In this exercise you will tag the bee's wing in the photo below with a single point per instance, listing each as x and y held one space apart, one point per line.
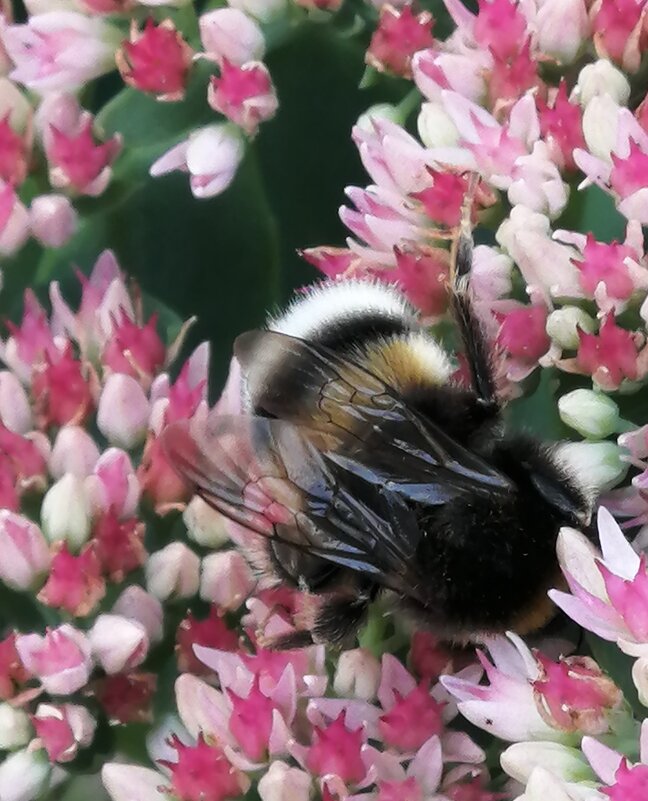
304 383
279 480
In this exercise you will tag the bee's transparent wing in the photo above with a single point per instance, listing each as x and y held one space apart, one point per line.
306 384
280 480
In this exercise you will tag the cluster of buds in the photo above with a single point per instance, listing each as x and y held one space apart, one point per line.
61 48
86 492
261 716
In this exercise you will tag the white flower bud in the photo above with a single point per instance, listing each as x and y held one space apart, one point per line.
118 643
15 729
592 414
640 678
520 759
283 783
226 579
600 125
598 465
262 10
205 525
65 513
435 126
600 78
357 674
380 111
563 325
24 775
173 572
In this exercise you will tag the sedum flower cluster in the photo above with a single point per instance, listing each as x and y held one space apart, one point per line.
134 658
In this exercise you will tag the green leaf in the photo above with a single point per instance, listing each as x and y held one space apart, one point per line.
306 154
593 210
144 121
212 258
537 412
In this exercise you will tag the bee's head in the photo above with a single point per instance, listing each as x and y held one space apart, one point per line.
552 477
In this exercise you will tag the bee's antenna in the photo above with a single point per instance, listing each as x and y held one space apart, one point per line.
462 245
476 347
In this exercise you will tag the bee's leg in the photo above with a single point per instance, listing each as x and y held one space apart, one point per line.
300 638
476 348
340 616
336 621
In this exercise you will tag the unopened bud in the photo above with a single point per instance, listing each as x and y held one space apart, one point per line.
601 78
435 126
563 325
598 465
592 414
15 729
65 514
173 572
357 674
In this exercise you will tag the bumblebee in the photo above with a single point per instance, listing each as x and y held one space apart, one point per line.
368 471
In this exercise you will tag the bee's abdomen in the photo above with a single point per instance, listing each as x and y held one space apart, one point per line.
368 322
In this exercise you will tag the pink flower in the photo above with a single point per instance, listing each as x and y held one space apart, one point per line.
336 749
30 341
119 544
156 60
203 773
500 26
14 221
608 591
62 388
59 50
464 71
79 164
429 657
443 200
400 34
60 659
63 729
618 31
523 337
575 694
24 553
14 152
412 719
210 155
244 94
609 357
75 583
53 220
12 671
228 33
623 779
212 632
561 127
506 707
422 274
133 349
127 697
